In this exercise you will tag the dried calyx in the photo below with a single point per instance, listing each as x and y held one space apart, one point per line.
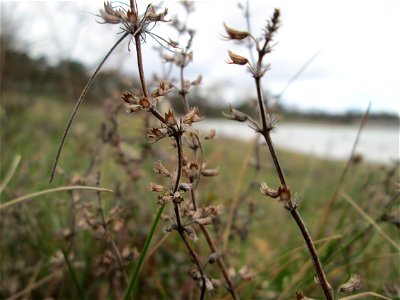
130 19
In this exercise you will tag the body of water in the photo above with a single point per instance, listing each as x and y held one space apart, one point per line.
378 144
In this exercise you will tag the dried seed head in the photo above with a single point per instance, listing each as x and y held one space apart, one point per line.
154 17
246 274
170 118
160 169
162 90
192 234
144 102
235 115
354 283
156 134
154 188
211 134
111 15
129 98
185 186
266 190
197 81
165 199
195 141
209 285
130 108
210 172
177 197
237 59
234 34
204 221
191 170
192 116
272 120
131 102
213 257
172 43
284 194
132 17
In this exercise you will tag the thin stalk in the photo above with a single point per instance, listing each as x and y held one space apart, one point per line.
214 249
328 208
73 276
220 263
265 131
314 255
138 265
183 92
109 236
178 139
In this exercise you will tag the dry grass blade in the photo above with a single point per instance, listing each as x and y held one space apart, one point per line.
328 208
364 295
45 280
11 172
369 220
79 102
50 191
236 196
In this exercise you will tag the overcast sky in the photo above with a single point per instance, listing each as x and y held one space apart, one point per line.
359 62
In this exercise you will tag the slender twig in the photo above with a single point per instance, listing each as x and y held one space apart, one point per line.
177 134
290 203
184 93
329 206
109 237
313 253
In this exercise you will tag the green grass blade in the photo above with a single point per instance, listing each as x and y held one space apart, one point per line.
73 275
55 190
370 220
138 265
11 172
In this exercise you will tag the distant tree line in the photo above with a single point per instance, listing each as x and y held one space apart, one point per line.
22 74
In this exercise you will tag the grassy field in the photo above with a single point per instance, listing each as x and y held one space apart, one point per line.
264 246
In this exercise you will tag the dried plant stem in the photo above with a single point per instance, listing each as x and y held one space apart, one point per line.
220 263
370 220
266 132
114 247
313 253
326 287
183 92
236 198
328 208
178 138
213 248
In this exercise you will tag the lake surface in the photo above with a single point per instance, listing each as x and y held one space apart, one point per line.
377 143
